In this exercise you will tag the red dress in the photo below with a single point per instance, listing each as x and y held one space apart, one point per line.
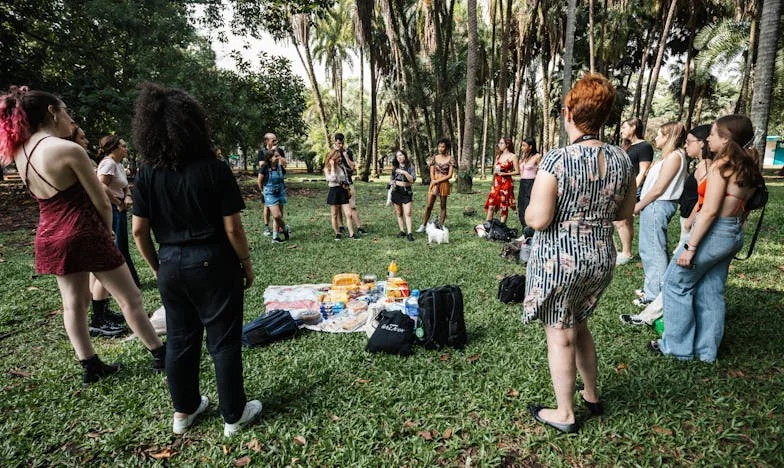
502 193
71 236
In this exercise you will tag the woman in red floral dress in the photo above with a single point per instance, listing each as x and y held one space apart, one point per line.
501 196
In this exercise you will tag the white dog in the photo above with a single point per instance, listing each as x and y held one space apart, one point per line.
437 234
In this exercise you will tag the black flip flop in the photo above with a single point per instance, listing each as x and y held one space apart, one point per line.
564 428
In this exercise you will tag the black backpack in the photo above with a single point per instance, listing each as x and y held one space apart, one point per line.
275 325
496 230
512 289
394 334
441 314
757 200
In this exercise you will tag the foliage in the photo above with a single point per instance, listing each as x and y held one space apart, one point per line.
435 408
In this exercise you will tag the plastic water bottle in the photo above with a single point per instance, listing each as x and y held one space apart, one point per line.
323 311
412 305
337 308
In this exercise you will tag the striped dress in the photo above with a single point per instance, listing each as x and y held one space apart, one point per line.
572 260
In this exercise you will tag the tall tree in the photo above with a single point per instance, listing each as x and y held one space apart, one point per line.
571 14
464 179
646 110
365 12
300 36
763 72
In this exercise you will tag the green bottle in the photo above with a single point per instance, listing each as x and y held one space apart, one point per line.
658 325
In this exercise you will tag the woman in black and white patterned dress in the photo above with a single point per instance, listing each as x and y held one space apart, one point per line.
578 192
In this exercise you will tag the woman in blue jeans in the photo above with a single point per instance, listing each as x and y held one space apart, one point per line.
660 192
192 203
695 280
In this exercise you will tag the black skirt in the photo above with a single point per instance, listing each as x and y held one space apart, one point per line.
402 195
337 196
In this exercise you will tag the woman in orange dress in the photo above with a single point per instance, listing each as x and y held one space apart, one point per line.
501 196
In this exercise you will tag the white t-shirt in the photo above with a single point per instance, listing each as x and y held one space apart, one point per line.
110 167
675 188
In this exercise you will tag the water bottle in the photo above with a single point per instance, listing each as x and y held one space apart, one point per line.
412 306
337 308
323 311
392 269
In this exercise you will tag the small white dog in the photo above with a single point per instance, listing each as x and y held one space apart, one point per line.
437 234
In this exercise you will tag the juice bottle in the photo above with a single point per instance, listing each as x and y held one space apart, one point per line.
392 269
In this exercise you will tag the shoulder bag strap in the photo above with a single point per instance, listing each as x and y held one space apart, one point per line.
754 236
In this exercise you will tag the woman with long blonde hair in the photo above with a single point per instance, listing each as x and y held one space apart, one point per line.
338 195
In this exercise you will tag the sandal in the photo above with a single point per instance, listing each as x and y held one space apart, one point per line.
561 427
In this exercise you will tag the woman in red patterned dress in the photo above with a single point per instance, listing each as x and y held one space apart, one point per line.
74 235
501 196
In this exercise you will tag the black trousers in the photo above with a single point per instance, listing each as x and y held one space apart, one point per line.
524 198
201 288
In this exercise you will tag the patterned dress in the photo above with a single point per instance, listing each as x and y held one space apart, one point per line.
572 260
502 192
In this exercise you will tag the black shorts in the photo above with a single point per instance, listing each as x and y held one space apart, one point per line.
337 196
402 195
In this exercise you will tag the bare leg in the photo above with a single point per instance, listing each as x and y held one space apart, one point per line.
503 219
266 216
625 229
399 213
98 292
443 210
277 217
407 214
347 213
120 284
561 357
431 200
334 211
586 361
489 213
75 291
352 202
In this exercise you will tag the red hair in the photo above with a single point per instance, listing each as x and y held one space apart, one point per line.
14 128
590 101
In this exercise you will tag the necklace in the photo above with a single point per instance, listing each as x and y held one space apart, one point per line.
585 138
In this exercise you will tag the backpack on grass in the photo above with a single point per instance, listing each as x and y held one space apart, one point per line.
275 325
511 289
496 230
441 313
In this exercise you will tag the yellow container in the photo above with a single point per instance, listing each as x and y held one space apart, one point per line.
345 282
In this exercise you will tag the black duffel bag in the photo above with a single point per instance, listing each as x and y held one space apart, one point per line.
275 325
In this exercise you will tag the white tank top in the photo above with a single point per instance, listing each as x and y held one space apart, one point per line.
674 190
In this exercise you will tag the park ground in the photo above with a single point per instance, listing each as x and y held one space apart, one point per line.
327 402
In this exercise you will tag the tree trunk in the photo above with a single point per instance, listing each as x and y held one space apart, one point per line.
545 102
361 99
764 73
638 89
485 119
657 65
371 137
464 170
591 50
742 105
687 63
571 12
503 69
302 23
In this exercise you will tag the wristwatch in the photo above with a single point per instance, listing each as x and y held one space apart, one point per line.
692 248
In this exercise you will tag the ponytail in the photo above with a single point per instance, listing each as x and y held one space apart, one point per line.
14 128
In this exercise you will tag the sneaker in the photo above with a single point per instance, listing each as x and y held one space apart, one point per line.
628 319
114 318
251 411
101 327
421 228
180 425
354 236
287 232
338 236
410 237
621 259
639 293
655 347
95 369
276 239
267 231
341 229
361 230
642 302
401 234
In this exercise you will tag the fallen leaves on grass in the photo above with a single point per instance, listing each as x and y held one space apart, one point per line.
163 454
447 434
444 357
335 418
425 435
620 367
409 423
242 461
290 247
513 393
19 373
299 440
737 373
32 288
226 449
473 358
362 381
662 430
254 445
54 312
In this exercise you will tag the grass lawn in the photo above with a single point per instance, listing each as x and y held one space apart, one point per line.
327 402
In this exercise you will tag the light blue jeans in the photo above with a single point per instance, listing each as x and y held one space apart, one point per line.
694 297
654 253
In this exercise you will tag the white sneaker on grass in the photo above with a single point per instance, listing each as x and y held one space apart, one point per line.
421 228
621 259
180 425
251 411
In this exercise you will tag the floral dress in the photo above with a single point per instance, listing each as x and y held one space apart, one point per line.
502 192
572 260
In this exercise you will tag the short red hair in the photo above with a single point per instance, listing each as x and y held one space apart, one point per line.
590 102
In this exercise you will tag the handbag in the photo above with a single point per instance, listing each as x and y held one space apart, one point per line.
393 335
511 289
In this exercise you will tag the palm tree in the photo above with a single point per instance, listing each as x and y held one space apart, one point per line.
571 13
464 181
300 36
646 110
332 44
763 72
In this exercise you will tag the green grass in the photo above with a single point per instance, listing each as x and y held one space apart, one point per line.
357 409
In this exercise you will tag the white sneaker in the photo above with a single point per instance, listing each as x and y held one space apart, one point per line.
421 228
180 425
251 411
621 259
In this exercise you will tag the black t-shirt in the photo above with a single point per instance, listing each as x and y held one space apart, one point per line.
262 155
347 155
188 206
641 152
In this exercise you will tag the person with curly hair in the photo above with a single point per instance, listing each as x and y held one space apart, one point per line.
74 235
191 201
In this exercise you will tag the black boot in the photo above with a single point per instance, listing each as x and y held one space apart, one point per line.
159 358
94 369
100 324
